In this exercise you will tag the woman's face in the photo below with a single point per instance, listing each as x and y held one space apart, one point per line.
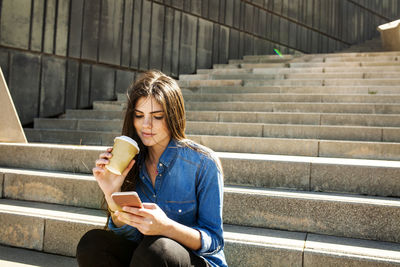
150 124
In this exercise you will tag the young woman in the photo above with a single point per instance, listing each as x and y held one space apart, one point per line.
179 181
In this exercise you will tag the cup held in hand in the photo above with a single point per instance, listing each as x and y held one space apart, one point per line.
124 150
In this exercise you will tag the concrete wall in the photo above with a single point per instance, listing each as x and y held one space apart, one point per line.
61 54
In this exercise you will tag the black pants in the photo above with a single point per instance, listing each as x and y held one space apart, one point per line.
104 248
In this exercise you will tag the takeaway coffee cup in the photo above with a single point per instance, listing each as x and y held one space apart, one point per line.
124 150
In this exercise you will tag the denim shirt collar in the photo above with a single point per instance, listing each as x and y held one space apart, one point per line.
169 153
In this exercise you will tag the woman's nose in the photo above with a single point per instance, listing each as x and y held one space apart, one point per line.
147 122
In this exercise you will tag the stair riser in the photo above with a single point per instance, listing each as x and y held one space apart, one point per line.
293 98
302 147
308 119
43 234
295 107
321 82
293 70
315 216
367 90
288 75
252 255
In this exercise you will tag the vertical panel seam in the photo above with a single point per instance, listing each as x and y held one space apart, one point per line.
30 23
69 27
55 28
122 28
83 25
99 31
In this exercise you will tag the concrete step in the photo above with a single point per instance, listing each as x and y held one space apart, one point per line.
368 90
323 98
277 146
290 107
19 257
93 114
377 120
293 70
308 65
281 76
358 133
301 147
343 58
318 82
45 169
312 212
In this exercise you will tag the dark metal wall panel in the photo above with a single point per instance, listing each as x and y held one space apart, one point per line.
145 33
110 36
213 10
168 41
72 86
25 91
223 45
127 33
49 26
84 86
90 31
75 28
204 46
176 43
137 17
157 40
123 80
4 60
187 57
62 27
15 23
102 83
37 25
52 89
233 44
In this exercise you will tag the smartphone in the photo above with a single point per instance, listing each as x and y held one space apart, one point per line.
128 198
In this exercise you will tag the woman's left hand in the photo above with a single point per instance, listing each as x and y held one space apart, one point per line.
149 220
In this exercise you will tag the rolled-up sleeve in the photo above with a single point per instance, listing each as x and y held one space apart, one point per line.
127 231
210 204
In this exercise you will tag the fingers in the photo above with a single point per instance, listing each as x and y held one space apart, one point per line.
130 218
152 206
137 211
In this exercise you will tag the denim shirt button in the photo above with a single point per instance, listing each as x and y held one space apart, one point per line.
160 164
179 211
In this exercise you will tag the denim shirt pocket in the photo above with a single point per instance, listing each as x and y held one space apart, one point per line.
181 211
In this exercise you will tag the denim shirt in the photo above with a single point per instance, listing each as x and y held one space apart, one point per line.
189 189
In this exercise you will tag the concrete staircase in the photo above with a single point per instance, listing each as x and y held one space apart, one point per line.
310 147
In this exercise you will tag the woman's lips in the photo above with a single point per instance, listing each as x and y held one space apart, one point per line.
148 134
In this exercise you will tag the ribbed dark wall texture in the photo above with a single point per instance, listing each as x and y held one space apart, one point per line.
63 54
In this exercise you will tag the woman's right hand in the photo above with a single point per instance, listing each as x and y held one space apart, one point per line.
108 181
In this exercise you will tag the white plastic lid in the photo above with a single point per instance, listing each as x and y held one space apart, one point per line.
389 25
129 140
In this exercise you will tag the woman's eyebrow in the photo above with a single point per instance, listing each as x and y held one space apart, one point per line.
157 111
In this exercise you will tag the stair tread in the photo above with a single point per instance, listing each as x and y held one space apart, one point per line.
19 257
